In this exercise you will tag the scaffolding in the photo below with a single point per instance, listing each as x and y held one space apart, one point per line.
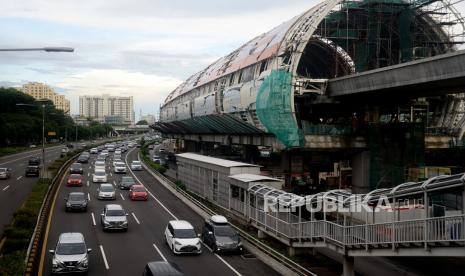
378 33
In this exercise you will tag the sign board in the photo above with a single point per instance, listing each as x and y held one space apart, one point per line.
52 133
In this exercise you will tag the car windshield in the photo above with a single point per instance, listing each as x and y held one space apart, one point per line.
76 166
184 233
118 164
106 189
74 176
100 173
135 162
2 170
115 213
224 231
138 189
76 197
99 163
127 180
70 248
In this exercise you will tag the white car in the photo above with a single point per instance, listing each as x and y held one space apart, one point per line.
117 160
93 150
181 237
104 153
99 176
99 165
70 254
136 166
106 191
120 167
64 150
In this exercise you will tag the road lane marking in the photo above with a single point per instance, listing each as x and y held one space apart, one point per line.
122 197
228 265
88 174
19 178
150 193
93 219
88 197
114 183
104 258
166 209
159 252
87 183
6 188
111 174
138 222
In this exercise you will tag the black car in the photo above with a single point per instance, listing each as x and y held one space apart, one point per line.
220 236
76 168
32 171
162 268
83 159
76 201
70 146
34 161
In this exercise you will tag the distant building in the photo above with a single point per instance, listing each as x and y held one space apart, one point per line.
149 118
99 107
41 91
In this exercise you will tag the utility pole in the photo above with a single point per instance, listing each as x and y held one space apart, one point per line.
43 140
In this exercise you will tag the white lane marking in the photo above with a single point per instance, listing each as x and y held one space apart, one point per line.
228 265
104 258
88 183
122 197
204 244
88 174
19 178
111 174
159 252
150 193
138 222
166 209
6 187
93 219
88 197
114 183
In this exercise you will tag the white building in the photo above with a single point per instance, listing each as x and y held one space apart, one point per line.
98 107
149 118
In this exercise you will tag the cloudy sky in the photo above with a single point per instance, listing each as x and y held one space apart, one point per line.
143 48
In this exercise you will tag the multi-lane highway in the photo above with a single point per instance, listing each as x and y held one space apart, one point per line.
126 253
13 191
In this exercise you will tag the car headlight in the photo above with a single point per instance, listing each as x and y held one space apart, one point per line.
68 204
84 262
106 222
56 263
125 222
177 243
219 243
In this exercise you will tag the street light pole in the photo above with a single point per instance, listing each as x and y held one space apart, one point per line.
43 140
46 49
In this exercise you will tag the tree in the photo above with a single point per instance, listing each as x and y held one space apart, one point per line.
142 122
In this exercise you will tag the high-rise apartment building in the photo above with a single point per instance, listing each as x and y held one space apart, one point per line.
99 107
42 91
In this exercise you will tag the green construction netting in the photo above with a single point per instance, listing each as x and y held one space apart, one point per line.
274 109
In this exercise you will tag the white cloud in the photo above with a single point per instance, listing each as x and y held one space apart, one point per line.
148 90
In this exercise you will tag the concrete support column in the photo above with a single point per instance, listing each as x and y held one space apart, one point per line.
361 172
348 266
291 251
261 234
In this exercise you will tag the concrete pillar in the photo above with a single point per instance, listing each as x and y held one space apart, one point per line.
261 234
348 266
291 251
361 172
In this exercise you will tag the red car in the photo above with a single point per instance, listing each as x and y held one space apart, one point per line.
75 180
138 192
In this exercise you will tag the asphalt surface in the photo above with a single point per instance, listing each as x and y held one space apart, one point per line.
126 253
13 191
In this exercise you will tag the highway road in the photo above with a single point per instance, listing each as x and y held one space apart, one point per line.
13 191
126 253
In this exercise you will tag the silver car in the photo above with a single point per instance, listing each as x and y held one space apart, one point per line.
106 191
5 173
114 217
70 254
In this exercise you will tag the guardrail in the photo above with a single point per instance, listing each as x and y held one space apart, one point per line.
290 264
35 245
